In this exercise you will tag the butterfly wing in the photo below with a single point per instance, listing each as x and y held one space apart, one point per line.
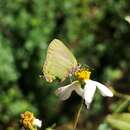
59 61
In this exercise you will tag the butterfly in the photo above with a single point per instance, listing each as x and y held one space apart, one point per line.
59 62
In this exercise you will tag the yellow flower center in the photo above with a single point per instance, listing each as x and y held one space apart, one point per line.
26 120
83 74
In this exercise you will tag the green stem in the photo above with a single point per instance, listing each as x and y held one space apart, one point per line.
121 107
78 115
125 97
120 95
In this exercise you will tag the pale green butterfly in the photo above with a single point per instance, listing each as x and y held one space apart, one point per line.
59 62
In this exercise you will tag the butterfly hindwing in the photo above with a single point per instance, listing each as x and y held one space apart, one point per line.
59 61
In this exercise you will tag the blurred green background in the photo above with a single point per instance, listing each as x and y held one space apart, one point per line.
96 33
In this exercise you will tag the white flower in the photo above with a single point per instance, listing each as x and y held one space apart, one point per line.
37 122
87 93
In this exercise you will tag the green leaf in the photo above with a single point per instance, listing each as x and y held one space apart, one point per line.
119 121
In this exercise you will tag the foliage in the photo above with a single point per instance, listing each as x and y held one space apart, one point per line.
96 32
119 121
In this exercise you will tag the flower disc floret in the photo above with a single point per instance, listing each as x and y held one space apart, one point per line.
83 74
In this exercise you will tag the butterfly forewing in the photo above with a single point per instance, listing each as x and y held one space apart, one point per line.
59 61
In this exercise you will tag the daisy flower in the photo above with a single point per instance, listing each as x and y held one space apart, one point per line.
87 93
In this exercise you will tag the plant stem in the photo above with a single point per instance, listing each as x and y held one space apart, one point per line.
121 107
120 95
78 115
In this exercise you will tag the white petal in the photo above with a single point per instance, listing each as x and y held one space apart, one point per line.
89 91
103 89
127 18
79 90
37 122
65 92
